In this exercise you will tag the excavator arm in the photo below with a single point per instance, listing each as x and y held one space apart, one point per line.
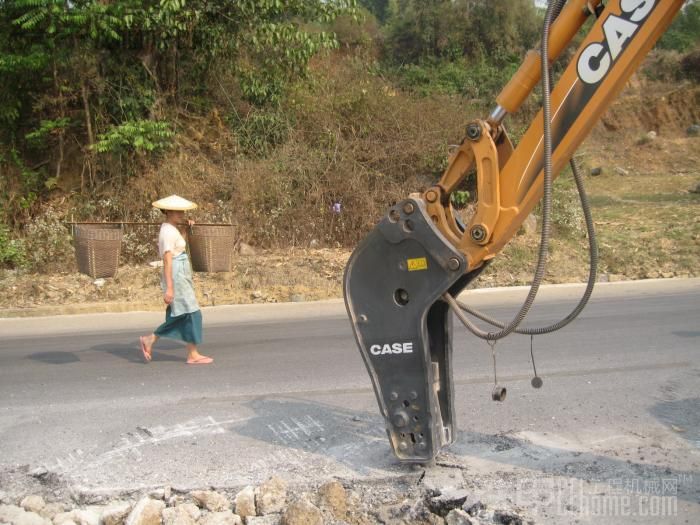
398 276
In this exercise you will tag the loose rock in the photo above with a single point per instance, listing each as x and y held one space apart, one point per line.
302 512
270 519
447 500
80 517
622 171
221 518
245 502
507 518
192 510
51 509
473 506
146 512
596 171
693 130
33 504
333 497
157 494
271 496
420 512
31 518
211 500
39 473
457 517
116 513
10 513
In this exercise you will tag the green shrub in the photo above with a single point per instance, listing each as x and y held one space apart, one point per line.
12 253
140 136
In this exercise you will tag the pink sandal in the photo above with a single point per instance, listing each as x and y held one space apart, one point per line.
202 360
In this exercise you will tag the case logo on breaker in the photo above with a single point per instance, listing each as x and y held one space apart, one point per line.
415 265
393 348
597 59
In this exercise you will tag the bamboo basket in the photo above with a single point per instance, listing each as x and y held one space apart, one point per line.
97 248
211 248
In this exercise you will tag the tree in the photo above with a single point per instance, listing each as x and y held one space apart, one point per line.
100 81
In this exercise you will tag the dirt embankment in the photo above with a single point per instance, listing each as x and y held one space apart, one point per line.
644 196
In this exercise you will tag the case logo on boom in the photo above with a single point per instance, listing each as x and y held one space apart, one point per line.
394 348
597 58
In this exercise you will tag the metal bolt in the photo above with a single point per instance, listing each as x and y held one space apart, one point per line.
431 196
453 264
409 208
400 419
473 131
393 396
362 318
413 395
403 446
478 233
421 445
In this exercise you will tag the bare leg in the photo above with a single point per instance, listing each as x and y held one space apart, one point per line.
149 341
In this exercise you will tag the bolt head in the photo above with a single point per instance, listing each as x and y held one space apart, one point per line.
473 131
478 233
409 208
431 196
400 420
453 264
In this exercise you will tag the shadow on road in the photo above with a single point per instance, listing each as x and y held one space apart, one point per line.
54 358
687 333
132 352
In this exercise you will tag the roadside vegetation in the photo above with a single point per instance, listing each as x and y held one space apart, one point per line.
269 112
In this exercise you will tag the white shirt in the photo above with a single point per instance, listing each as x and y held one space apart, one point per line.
170 240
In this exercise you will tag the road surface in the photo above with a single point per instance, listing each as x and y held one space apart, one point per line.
619 413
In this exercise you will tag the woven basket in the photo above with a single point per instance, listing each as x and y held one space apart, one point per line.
211 248
97 248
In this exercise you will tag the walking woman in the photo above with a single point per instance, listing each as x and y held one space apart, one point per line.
183 318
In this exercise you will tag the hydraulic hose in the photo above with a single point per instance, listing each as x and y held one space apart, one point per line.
554 8
585 206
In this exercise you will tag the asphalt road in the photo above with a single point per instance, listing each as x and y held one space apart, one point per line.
619 413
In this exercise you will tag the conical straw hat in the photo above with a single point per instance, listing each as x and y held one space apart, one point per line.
174 203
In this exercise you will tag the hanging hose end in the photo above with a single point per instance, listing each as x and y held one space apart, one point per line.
498 393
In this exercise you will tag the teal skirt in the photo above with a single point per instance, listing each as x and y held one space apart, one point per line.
185 327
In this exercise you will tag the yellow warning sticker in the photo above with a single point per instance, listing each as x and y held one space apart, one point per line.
415 265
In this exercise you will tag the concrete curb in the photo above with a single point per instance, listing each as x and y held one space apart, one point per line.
328 309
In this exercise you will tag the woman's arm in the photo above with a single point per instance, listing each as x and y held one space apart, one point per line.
168 273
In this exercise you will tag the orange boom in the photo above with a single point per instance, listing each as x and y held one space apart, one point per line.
401 281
